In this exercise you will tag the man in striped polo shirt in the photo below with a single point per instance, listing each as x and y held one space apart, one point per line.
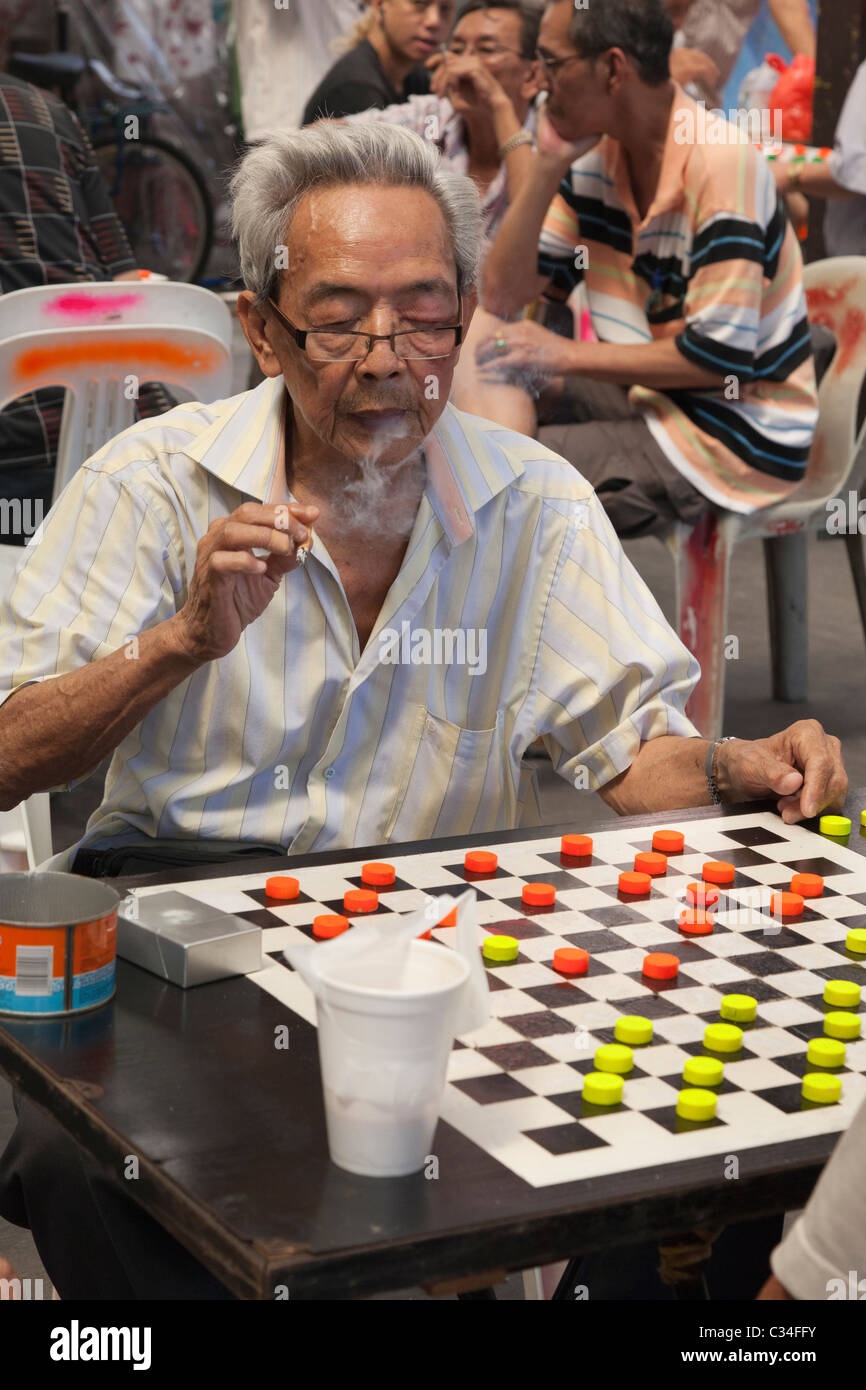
702 387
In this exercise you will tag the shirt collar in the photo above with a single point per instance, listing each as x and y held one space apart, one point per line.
468 462
669 191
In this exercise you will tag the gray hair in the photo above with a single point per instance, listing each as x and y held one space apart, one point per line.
280 170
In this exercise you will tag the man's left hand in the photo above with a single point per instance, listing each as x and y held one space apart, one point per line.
529 350
801 766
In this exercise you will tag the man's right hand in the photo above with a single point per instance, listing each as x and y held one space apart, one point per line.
230 586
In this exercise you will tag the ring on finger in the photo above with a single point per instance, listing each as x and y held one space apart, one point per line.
500 344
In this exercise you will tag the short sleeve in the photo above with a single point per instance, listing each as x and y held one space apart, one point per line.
103 571
612 673
560 235
826 1243
848 160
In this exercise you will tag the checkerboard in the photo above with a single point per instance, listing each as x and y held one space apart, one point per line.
514 1086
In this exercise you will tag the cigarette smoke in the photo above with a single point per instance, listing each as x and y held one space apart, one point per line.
382 501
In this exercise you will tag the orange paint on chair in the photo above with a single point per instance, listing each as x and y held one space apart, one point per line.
111 352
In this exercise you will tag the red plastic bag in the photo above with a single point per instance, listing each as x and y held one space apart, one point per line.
792 95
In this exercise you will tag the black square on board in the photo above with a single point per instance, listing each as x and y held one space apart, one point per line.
395 887
518 905
789 1099
785 937
565 1139
542 1024
647 1006
265 919
561 996
513 1056
742 858
519 927
668 1118
818 865
260 896
489 1090
761 964
615 916
597 941
753 835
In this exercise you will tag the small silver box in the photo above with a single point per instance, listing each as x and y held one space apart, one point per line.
185 941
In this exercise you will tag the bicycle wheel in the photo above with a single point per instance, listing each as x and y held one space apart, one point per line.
163 203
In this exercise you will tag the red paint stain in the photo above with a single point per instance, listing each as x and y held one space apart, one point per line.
84 305
785 528
147 353
847 324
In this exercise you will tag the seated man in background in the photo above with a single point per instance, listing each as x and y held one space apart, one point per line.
57 225
266 701
693 275
481 115
383 63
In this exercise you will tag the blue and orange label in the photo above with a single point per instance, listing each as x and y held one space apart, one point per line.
57 970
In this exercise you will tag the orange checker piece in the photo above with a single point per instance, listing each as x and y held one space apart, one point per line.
449 920
571 960
786 904
718 871
480 861
378 874
538 894
807 885
282 887
329 924
695 921
360 900
576 846
669 841
658 965
648 862
634 883
701 895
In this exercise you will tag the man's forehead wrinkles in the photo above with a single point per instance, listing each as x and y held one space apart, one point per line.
327 289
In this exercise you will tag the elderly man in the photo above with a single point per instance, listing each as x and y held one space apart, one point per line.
217 594
702 389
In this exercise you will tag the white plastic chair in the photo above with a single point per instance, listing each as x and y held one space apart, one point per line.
836 295
98 339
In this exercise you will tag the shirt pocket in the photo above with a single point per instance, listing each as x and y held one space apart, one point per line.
454 782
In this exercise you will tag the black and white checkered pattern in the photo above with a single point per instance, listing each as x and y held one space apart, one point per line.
514 1086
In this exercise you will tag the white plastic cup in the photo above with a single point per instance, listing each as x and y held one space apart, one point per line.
383 1049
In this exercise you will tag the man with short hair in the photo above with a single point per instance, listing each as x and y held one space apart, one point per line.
385 66
702 389
481 113
264 550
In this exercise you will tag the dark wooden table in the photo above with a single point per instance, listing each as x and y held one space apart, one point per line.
230 1134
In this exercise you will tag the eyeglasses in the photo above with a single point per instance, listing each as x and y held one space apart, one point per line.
486 50
552 65
411 344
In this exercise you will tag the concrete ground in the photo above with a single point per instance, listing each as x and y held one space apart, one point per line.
837 676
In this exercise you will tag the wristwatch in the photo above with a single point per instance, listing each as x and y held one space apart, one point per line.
712 785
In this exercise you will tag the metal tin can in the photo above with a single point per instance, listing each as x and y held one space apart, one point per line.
58 944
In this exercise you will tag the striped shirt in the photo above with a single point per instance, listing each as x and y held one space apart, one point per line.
298 738
715 249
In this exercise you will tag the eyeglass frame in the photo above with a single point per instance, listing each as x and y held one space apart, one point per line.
552 65
493 53
300 336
